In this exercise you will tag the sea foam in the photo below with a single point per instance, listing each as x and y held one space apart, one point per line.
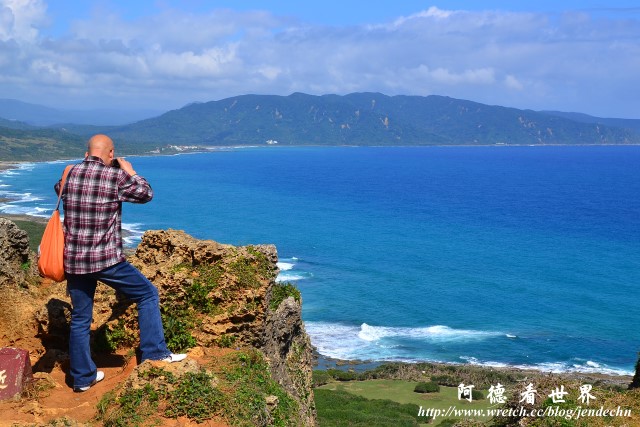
437 333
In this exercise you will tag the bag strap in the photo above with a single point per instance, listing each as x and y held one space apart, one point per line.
63 181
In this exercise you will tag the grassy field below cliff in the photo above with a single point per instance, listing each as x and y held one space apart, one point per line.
386 396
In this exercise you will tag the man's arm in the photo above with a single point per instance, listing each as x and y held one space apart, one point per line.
131 186
126 166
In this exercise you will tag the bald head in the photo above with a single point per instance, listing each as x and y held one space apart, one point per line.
101 146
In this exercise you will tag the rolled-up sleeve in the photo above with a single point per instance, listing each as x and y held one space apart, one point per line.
134 189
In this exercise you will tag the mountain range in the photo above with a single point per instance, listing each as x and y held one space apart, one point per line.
301 119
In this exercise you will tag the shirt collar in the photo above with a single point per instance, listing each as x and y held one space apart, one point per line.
94 159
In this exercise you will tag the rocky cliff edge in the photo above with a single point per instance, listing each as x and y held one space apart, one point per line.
215 299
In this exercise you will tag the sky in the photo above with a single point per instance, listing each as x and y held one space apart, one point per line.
570 55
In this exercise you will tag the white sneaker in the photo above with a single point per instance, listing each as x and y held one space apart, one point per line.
99 377
174 358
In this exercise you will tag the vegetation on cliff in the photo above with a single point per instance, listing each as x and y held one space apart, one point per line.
237 387
250 358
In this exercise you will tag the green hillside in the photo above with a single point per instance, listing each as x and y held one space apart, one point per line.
39 144
298 119
363 119
22 142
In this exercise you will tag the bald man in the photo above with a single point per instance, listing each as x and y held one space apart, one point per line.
92 199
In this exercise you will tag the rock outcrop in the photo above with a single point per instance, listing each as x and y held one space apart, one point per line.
287 347
212 296
230 288
17 264
18 271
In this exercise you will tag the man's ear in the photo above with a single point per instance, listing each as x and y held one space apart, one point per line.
86 154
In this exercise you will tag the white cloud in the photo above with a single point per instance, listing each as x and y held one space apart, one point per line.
527 60
19 19
477 76
513 83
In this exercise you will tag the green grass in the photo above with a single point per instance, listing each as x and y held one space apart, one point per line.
249 382
282 291
401 391
193 395
109 338
131 408
339 408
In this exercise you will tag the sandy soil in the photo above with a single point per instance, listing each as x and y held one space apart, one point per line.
58 400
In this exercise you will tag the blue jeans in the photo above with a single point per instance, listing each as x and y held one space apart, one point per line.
124 278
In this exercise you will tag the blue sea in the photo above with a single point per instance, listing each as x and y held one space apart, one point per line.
498 256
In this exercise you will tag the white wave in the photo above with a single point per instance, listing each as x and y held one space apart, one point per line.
376 342
511 336
13 209
28 197
552 367
364 343
587 368
290 276
26 166
474 361
41 212
19 197
133 234
339 341
284 266
437 333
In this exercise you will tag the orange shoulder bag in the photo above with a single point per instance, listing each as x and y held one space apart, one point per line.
51 251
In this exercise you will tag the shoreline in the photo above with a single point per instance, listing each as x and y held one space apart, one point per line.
25 217
323 363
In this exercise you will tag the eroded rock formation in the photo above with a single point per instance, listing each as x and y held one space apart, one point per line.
212 295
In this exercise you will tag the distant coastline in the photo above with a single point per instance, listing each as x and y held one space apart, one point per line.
175 150
323 363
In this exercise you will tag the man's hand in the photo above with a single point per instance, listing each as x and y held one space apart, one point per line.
126 166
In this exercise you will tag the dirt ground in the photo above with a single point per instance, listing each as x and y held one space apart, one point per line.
52 397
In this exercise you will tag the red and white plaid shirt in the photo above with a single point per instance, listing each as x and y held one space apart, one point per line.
93 197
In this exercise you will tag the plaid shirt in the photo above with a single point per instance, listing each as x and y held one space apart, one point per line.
93 197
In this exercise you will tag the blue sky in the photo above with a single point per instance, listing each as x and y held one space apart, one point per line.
567 55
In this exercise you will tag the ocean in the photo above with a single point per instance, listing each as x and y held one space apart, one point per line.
497 256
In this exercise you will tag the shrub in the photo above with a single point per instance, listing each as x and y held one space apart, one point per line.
226 341
282 291
192 395
477 395
177 332
445 380
340 375
195 397
131 408
427 387
340 408
320 378
109 338
249 379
